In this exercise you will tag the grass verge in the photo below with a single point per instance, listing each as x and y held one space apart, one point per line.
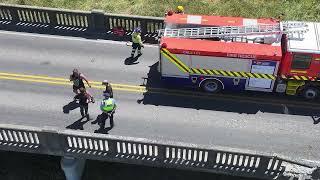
293 9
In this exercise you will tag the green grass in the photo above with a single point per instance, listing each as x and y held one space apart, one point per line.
293 9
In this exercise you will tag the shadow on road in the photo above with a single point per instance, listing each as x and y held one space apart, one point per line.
101 121
316 173
316 119
131 61
69 107
78 125
246 102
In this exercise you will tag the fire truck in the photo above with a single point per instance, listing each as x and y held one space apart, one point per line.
216 53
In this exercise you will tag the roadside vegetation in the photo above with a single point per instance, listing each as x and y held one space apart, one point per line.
293 9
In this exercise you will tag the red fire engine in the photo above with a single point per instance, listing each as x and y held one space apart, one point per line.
217 53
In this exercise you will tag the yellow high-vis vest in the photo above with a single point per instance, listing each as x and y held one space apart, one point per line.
136 38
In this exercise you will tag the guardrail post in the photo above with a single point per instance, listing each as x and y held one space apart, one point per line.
161 153
53 19
107 22
52 142
98 23
112 147
144 28
263 165
212 155
14 15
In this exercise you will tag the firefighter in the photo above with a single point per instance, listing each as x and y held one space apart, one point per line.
84 100
108 88
136 42
179 10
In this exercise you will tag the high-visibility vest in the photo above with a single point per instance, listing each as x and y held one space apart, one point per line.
136 38
108 105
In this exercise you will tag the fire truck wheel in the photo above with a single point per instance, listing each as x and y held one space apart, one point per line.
211 86
311 93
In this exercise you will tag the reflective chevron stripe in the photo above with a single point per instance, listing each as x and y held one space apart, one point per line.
184 68
300 78
175 60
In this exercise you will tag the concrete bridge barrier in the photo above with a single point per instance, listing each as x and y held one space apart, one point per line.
94 24
140 151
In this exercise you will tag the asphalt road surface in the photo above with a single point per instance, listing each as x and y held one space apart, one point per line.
250 121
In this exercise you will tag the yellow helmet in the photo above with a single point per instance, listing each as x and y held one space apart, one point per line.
180 8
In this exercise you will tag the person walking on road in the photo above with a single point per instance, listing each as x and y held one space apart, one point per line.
84 100
77 78
108 88
108 107
136 42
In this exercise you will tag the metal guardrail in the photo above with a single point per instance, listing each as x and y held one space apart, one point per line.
137 151
96 23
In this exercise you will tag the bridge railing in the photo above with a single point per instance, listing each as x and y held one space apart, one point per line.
95 24
137 151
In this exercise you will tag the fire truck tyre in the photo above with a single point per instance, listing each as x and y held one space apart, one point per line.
311 93
211 86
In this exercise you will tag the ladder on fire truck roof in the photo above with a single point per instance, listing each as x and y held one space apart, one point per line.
292 29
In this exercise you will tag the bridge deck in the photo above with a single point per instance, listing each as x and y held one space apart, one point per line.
244 121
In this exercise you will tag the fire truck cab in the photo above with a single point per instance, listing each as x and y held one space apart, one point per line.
302 57
301 63
215 53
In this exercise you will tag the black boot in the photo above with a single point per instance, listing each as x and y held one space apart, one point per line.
88 117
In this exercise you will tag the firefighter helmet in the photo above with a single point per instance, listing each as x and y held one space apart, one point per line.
137 30
104 82
180 9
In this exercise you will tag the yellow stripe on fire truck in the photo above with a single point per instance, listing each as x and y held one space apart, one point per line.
300 78
175 60
184 68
